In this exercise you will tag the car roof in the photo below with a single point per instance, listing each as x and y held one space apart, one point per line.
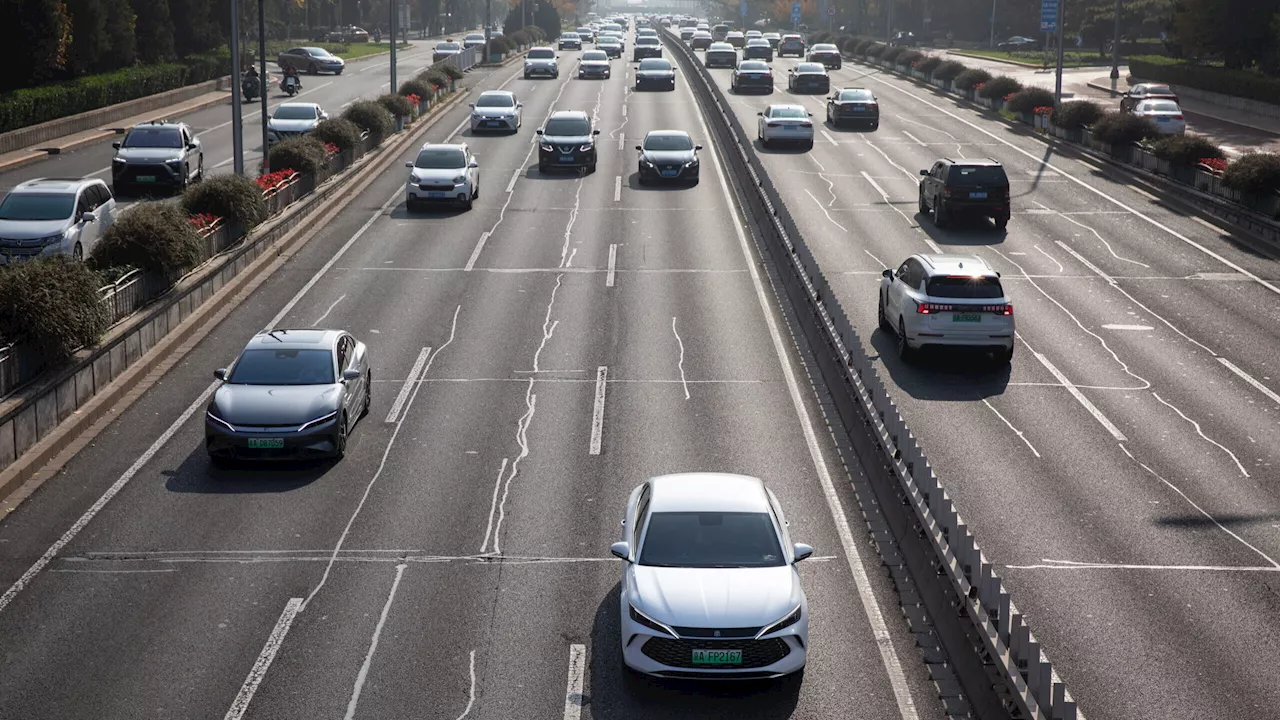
501 93
666 133
716 492
720 46
290 339
570 114
298 104
443 146
973 162
956 264
811 67
824 46
161 124
757 42
56 185
786 106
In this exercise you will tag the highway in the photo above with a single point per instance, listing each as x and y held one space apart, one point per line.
534 359
1122 471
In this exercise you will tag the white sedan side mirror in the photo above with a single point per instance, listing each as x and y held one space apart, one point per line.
801 551
621 550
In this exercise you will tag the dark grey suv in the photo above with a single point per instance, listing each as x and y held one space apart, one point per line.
568 140
157 154
977 187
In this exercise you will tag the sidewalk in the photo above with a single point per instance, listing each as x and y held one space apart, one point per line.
1254 121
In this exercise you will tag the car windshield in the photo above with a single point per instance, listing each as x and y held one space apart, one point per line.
542 54
811 68
296 112
857 95
1160 106
570 36
567 127
711 540
455 46
474 36
668 142
283 367
973 288
654 64
608 41
788 112
441 159
37 206
750 66
977 175
153 138
495 100
594 55
317 52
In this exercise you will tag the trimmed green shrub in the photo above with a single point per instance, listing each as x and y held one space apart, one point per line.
155 237
1185 149
1076 114
498 45
537 33
891 53
396 104
339 131
30 106
949 70
863 46
453 72
53 304
234 198
1241 83
520 37
909 56
371 117
1000 86
971 77
848 44
1254 172
875 49
1028 99
304 154
417 87
1123 128
435 77
929 64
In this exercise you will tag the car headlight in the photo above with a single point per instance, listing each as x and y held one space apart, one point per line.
546 147
646 161
587 148
460 179
649 622
322 419
53 239
792 618
217 420
691 163
118 161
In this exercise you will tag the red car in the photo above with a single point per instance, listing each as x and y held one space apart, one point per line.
1145 91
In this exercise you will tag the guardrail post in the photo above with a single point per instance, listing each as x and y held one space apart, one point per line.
1044 688
1063 709
1002 622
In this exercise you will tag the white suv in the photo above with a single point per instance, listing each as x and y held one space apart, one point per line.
54 217
442 174
954 300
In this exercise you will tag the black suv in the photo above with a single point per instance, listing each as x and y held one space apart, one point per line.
965 187
157 154
567 141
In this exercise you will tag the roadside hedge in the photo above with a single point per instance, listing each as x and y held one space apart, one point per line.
929 64
234 198
1028 99
304 154
999 87
1255 172
1241 83
414 86
875 50
908 56
339 131
1123 128
434 77
971 77
396 104
371 117
1076 115
154 237
453 72
52 304
890 54
948 70
1185 149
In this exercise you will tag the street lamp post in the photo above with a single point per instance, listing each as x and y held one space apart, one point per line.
1115 52
237 122
993 24
1057 84
264 84
395 10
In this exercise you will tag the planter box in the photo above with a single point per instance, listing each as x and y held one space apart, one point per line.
497 57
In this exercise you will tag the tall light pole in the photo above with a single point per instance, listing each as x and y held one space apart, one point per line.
395 11
1057 83
1115 52
488 22
264 82
237 122
993 24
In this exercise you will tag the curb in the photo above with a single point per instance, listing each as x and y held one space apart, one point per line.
44 459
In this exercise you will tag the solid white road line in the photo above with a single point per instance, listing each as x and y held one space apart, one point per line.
597 411
1015 430
1250 379
1050 564
363 675
928 240
613 265
475 254
471 699
680 363
331 307
1085 402
414 374
1201 433
522 439
915 139
493 505
824 209
830 139
511 186
265 658
870 606
617 188
573 700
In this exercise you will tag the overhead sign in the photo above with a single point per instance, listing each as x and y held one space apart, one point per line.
795 12
1048 15
742 8
404 18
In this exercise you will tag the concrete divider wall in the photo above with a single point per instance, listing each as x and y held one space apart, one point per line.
1004 640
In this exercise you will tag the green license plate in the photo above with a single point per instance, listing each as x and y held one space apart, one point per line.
266 443
146 178
966 317
717 657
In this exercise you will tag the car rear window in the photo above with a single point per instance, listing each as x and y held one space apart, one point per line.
1160 106
985 288
856 95
711 540
977 175
752 66
811 68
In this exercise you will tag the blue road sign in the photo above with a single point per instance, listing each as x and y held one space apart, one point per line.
1048 15
795 12
742 8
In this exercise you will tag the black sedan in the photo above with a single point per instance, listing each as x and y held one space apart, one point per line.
646 47
827 54
655 73
752 75
853 105
668 155
808 77
292 394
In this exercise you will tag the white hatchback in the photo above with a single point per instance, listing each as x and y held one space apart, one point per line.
785 123
709 581
442 174
945 299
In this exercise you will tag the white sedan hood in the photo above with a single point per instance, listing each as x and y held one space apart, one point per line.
715 597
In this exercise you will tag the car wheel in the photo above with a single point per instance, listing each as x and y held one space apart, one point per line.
312 69
923 207
466 204
939 214
340 439
1002 222
338 71
884 321
1003 356
875 125
78 252
809 146
368 393
591 168
640 177
905 352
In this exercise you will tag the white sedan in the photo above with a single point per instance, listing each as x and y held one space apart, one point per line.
497 110
785 123
442 174
1165 114
709 581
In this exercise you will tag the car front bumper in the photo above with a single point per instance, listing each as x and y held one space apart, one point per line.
420 193
576 158
537 70
140 175
603 74
481 122
650 653
670 171
316 441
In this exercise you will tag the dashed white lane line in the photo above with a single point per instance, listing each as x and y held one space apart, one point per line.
363 675
475 254
597 410
1250 379
1016 431
617 188
914 139
829 138
824 210
927 240
265 658
573 699
1085 402
471 699
613 265
1136 328
414 375
511 186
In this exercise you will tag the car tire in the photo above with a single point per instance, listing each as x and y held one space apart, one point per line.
884 321
1003 356
640 177
77 252
1002 222
924 207
809 146
312 69
905 352
337 72
340 440
368 393
939 214
875 126
591 169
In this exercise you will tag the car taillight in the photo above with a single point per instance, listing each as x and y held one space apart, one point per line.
1006 192
998 309
806 124
774 125
933 308
946 190
1177 117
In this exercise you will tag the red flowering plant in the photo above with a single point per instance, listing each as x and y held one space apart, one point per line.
331 149
1009 97
979 87
1044 110
271 181
413 99
1216 165
204 221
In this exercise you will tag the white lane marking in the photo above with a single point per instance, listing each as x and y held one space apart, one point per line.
548 327
831 187
112 572
21 583
1051 564
917 140
414 374
1015 430
878 260
96 173
522 439
265 658
597 410
1096 234
621 141
331 307
1199 509
475 253
1128 327
363 675
222 164
471 698
1100 193
1250 379
959 144
565 258
913 175
346 104
493 504
511 186
382 464
824 210
624 111
870 606
573 699
1200 432
927 240
830 139
1085 402
613 265
1055 260
680 363
617 188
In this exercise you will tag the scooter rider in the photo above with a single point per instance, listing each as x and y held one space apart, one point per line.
291 72
250 84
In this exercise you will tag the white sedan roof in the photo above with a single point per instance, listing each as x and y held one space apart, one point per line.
707 492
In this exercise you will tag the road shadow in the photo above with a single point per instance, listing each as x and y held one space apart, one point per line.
619 695
554 174
633 182
197 474
427 212
962 230
791 148
945 374
1198 521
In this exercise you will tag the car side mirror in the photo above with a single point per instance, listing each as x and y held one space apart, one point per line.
621 550
221 374
887 273
408 164
639 147
595 132
324 116
539 132
472 104
519 105
88 216
801 551
192 146
116 144
350 374
697 147
924 172
473 164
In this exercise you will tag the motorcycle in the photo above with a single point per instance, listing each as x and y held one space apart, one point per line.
249 86
290 85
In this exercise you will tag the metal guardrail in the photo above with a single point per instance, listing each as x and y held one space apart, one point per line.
1004 640
465 60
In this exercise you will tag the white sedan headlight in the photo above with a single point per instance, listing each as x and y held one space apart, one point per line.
460 180
792 618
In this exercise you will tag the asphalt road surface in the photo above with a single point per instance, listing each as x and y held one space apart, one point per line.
456 563
1122 472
